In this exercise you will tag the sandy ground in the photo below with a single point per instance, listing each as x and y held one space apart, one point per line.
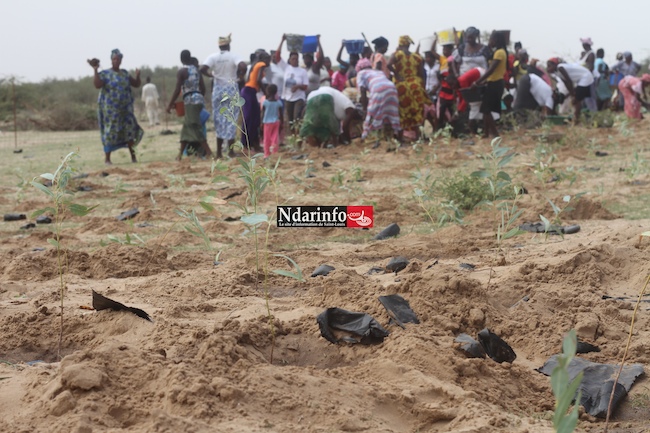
208 363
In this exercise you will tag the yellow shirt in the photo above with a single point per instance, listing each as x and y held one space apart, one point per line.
500 71
443 64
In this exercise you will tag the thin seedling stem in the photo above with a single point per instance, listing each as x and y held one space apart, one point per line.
627 347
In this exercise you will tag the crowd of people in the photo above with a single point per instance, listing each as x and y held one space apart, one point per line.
469 84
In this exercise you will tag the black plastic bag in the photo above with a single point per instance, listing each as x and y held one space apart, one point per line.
597 382
399 309
357 327
103 303
495 347
471 347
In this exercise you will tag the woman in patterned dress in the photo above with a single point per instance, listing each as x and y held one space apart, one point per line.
382 104
190 82
409 79
117 123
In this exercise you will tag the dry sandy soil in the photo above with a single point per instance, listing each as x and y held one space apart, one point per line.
207 362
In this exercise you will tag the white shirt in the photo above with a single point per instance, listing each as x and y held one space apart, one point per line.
274 74
432 75
541 91
149 93
223 66
341 102
294 76
580 76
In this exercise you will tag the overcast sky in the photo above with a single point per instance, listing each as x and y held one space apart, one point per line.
53 38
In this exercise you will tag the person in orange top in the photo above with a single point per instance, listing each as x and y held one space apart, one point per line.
251 108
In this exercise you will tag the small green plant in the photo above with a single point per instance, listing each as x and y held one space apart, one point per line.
176 181
498 180
129 239
553 226
120 187
637 167
338 179
509 215
563 390
357 173
61 204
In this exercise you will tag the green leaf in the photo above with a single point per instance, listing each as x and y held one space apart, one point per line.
42 187
54 242
570 343
513 232
566 198
547 223
254 219
42 211
207 206
80 210
48 176
287 274
296 275
505 160
503 175
419 192
480 173
556 210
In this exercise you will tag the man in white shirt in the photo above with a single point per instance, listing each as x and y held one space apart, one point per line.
576 78
150 98
226 70
532 93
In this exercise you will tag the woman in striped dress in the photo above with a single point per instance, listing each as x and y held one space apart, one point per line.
382 106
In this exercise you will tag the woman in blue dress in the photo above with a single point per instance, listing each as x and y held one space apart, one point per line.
117 123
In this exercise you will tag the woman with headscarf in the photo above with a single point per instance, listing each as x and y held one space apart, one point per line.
117 123
189 83
409 80
469 55
633 89
382 105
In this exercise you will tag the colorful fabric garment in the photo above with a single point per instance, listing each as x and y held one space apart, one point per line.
377 59
225 124
117 123
603 90
383 102
192 131
252 113
629 87
410 89
338 80
319 120
190 88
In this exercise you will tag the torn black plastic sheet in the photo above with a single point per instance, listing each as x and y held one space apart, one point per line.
597 382
353 327
101 302
399 309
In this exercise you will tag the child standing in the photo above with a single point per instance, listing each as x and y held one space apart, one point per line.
272 120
